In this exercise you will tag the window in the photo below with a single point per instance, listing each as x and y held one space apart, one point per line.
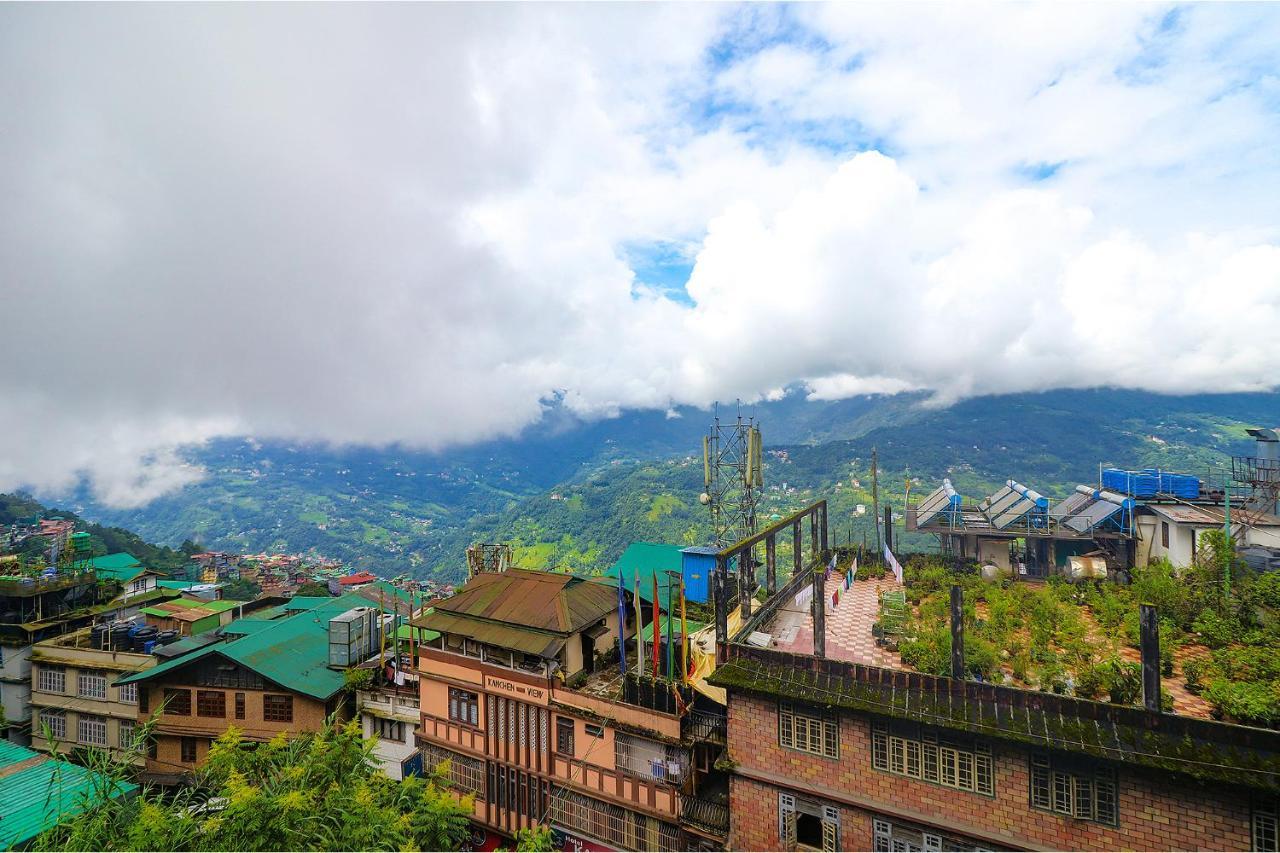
1164 534
177 702
144 701
239 706
211 703
807 730
389 729
51 679
464 707
564 735
1266 828
613 825
891 836
805 823
125 734
128 693
1073 789
189 750
592 730
465 773
920 753
650 759
277 708
56 721
93 730
91 685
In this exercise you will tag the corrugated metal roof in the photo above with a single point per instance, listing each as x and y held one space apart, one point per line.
505 636
37 792
543 601
292 651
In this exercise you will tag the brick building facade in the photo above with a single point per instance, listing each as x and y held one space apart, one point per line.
846 796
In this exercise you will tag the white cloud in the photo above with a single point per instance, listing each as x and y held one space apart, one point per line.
412 223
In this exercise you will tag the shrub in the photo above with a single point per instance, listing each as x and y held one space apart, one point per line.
1122 680
1193 671
1089 683
980 657
1217 630
1248 702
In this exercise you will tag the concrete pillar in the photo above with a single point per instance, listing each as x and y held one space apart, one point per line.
771 564
1149 644
819 612
957 632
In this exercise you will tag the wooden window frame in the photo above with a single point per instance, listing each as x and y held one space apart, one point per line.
211 704
805 730
240 706
464 706
566 730
1070 789
182 706
189 750
921 754
277 707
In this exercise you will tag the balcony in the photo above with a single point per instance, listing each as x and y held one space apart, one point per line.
390 704
710 816
705 727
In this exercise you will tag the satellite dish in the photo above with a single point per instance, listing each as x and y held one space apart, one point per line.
704 498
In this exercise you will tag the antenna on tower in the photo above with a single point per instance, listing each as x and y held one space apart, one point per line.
732 475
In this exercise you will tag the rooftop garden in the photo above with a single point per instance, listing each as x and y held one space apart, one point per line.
1219 641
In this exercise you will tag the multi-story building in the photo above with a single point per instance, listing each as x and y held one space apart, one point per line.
836 745
71 694
522 693
281 670
388 716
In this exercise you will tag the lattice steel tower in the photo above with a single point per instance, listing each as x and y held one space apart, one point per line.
732 475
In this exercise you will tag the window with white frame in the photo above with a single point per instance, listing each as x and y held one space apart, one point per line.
808 730
128 693
91 685
1265 826
389 729
921 753
126 733
892 836
1073 788
808 824
92 730
55 721
51 679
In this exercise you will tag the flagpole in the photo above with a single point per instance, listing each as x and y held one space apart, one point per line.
622 621
671 635
684 635
657 628
639 624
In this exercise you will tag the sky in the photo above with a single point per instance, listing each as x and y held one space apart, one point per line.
424 224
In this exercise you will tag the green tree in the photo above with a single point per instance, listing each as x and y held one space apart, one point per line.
313 588
316 791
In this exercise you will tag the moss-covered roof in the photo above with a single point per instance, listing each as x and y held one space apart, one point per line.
1200 748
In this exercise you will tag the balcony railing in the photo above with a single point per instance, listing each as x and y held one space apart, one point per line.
709 816
702 726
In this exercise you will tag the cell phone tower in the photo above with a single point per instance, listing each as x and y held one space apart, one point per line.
732 476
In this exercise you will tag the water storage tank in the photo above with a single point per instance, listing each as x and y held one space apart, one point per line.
352 636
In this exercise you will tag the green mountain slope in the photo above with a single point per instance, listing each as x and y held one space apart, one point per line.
575 495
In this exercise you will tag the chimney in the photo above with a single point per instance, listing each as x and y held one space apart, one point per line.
957 632
1149 643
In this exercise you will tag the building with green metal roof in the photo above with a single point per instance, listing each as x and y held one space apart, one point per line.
38 792
650 560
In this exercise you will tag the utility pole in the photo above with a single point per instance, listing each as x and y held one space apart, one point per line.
875 500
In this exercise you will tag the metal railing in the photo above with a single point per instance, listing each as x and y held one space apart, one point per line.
707 815
703 726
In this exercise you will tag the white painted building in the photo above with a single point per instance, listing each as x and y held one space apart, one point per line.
1173 531
388 716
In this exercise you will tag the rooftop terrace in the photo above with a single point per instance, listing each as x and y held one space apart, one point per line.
1025 634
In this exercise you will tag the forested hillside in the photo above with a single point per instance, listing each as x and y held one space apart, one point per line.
575 495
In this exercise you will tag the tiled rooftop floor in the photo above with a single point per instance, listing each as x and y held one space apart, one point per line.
849 637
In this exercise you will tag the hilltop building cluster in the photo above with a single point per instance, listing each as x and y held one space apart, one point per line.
744 697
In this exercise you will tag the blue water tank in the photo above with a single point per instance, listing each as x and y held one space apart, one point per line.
697 565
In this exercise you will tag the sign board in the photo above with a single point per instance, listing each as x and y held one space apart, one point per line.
518 689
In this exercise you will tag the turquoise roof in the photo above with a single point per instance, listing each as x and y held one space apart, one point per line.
40 795
292 651
177 584
649 559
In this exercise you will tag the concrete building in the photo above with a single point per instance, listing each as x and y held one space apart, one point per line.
389 714
523 695
71 693
1172 531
